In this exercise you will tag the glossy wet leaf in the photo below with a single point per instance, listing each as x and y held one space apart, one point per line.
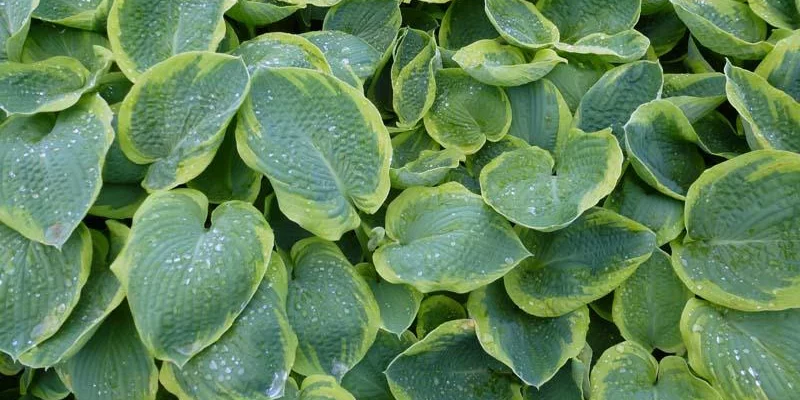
628 370
375 21
662 147
577 264
465 22
398 304
100 295
647 306
428 170
450 363
174 117
141 38
261 12
541 116
351 59
51 169
520 23
612 99
366 380
436 310
574 78
333 132
14 28
416 59
252 360
744 355
218 268
40 286
445 238
113 364
569 383
85 14
779 13
466 113
501 65
527 187
696 94
740 249
278 49
621 47
533 347
323 387
728 27
635 199
577 19
779 66
330 308
46 40
771 114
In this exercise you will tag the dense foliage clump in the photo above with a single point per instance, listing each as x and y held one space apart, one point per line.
416 200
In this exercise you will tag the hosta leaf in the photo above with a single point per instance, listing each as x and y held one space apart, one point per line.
413 84
541 115
47 40
118 168
228 177
331 309
772 115
118 200
500 65
662 147
515 337
526 187
696 94
39 286
100 295
398 304
8 366
449 363
466 113
407 146
51 169
695 60
576 19
114 364
636 200
446 238
174 117
436 310
569 383
627 370
323 387
230 41
578 264
574 78
521 24
278 49
252 359
375 21
718 137
210 274
84 14
465 22
647 307
492 150
142 38
113 87
621 47
428 170
53 84
14 27
261 12
727 27
322 145
779 67
744 355
47 385
612 100
366 380
663 28
741 247
779 13
351 58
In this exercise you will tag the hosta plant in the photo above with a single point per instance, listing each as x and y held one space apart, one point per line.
400 199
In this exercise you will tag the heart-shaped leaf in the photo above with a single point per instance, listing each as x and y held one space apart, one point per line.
515 337
51 169
252 360
501 65
446 238
278 49
520 23
647 307
218 268
39 286
142 38
522 186
578 264
466 113
336 325
741 248
628 369
449 363
744 355
297 121
174 117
